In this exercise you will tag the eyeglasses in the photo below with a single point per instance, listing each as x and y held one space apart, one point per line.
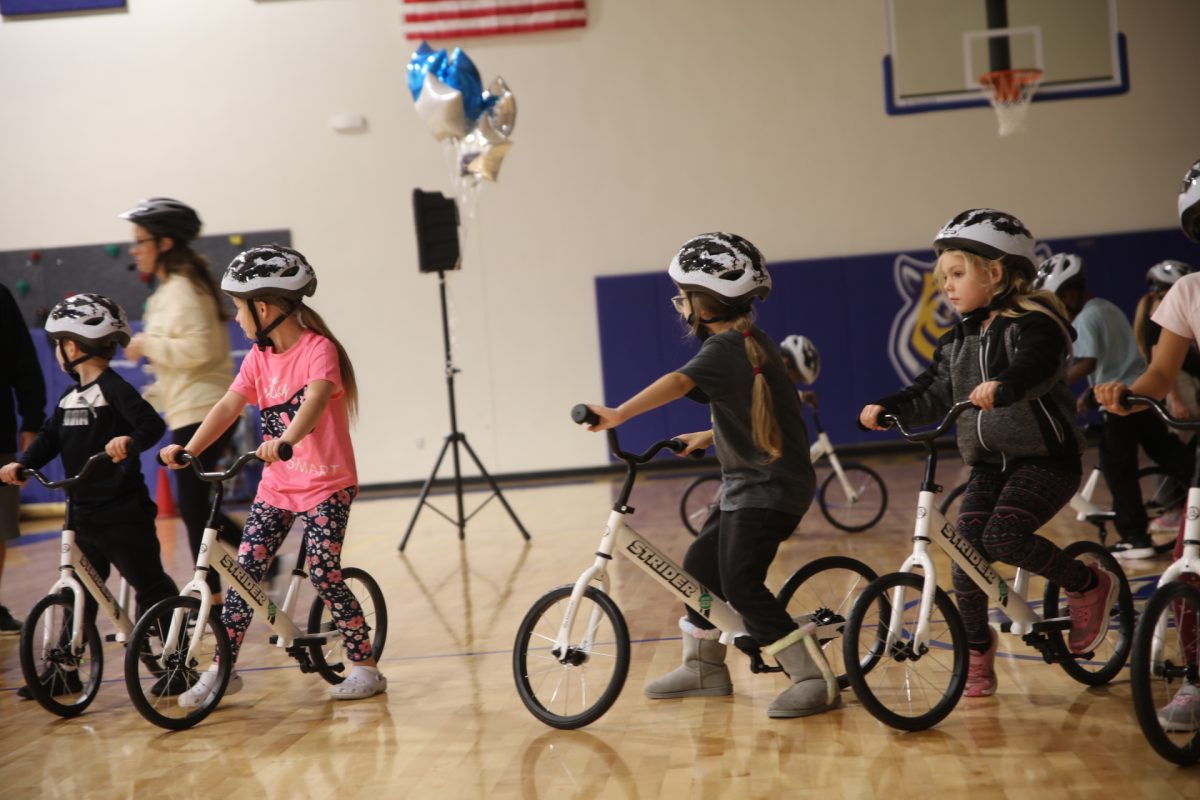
136 243
678 301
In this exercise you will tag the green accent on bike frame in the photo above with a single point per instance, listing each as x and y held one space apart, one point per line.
271 609
705 600
1002 588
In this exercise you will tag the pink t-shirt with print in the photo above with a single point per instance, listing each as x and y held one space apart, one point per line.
323 461
1179 311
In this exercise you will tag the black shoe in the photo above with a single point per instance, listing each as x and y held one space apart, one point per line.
69 685
1134 548
9 626
173 683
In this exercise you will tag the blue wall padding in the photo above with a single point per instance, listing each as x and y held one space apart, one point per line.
845 305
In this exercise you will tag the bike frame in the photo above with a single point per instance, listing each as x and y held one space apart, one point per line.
1189 562
824 447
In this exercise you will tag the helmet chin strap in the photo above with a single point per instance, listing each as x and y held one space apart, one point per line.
261 335
70 365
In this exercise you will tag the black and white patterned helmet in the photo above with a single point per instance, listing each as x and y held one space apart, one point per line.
91 319
804 355
270 270
1058 270
1189 203
164 216
721 264
1162 276
992 234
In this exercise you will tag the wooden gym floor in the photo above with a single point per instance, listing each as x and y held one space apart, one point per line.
452 726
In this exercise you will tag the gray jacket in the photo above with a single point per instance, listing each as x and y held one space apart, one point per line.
1035 413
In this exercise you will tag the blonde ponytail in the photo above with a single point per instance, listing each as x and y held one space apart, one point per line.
312 320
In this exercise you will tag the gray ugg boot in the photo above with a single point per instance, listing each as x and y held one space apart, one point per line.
814 686
703 672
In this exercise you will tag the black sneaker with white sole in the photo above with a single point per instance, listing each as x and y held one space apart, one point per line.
64 682
9 625
1134 548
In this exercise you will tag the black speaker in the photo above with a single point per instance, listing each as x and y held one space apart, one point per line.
436 218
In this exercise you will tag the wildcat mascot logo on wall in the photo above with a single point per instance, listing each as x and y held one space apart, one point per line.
925 315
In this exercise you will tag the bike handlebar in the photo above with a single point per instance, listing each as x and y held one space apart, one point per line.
1129 400
582 415
891 421
26 473
184 457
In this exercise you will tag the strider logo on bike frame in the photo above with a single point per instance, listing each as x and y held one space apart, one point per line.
246 582
976 560
640 550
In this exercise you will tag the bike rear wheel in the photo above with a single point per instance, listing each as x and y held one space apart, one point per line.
908 688
698 501
860 510
63 677
1111 654
330 660
1172 613
823 591
575 687
156 676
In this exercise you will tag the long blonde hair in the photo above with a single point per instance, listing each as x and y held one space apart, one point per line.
1020 298
765 430
1141 315
312 320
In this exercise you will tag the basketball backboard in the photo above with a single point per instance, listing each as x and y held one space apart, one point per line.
940 48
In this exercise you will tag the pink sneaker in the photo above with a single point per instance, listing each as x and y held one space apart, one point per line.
1089 611
981 671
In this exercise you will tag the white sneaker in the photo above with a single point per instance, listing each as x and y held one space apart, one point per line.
1168 522
1182 714
361 682
205 684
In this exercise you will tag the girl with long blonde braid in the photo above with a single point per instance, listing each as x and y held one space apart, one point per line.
767 477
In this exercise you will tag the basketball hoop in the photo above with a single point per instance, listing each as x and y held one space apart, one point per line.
1010 91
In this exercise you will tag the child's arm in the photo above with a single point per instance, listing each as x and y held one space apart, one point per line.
316 398
671 386
146 426
1156 381
216 422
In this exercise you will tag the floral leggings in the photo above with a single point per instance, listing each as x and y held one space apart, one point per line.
324 531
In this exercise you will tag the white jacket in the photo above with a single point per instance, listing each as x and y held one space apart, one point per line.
187 345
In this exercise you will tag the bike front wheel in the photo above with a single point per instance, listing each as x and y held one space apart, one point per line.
860 507
1164 670
822 592
1109 657
330 660
699 499
63 676
158 671
573 686
909 687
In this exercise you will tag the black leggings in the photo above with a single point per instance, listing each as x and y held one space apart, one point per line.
731 557
1000 515
124 536
193 498
1119 462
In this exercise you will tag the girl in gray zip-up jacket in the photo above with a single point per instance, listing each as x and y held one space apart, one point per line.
1009 357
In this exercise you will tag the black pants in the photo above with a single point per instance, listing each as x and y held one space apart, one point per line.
730 558
124 536
193 497
1119 463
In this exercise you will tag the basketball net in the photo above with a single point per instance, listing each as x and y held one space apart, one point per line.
1010 91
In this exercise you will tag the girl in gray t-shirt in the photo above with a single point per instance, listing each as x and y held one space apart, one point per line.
767 477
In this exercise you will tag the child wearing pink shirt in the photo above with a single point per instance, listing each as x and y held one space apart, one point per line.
302 381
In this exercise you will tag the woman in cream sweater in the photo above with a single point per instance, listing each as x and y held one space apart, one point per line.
185 337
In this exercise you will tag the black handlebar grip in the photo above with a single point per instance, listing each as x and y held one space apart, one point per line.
581 415
24 473
285 451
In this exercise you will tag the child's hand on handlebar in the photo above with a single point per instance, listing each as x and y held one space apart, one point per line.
167 456
983 396
268 451
608 418
699 441
869 417
118 448
8 474
1108 395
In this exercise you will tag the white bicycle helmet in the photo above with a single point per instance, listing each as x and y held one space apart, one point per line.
992 234
270 270
1189 203
90 319
804 355
723 265
1162 276
164 216
1059 270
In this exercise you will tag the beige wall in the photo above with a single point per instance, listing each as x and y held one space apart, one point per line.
662 119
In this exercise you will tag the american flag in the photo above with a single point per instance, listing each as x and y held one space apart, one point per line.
455 19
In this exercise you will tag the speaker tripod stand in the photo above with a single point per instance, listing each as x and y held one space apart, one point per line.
453 440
